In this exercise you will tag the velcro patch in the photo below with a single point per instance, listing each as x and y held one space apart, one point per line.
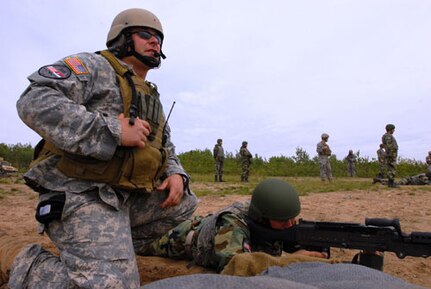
55 71
76 65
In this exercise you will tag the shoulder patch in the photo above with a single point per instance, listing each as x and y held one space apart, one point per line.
55 71
76 65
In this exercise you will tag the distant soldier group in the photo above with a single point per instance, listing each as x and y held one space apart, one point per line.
386 155
218 154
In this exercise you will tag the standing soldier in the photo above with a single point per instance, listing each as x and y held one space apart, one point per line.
391 148
381 157
324 153
218 153
245 161
428 160
351 160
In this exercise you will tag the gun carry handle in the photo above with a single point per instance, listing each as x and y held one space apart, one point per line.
383 222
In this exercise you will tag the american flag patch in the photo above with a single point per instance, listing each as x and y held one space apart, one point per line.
76 65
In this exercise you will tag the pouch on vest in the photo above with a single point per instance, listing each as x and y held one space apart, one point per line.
88 168
51 209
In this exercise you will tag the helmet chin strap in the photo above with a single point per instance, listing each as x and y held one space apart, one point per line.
150 61
147 60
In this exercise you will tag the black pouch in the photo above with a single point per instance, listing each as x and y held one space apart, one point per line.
50 209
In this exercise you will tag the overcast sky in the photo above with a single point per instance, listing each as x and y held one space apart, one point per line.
276 73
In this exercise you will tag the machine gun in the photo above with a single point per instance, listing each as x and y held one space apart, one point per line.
377 234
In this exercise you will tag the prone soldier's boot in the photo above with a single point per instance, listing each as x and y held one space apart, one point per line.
10 247
392 184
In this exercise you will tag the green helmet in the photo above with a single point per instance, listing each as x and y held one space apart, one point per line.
274 199
390 127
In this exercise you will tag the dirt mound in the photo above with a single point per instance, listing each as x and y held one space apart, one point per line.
412 207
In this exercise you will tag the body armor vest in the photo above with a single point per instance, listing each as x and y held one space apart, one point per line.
130 168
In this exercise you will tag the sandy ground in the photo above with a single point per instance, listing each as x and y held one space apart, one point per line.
410 205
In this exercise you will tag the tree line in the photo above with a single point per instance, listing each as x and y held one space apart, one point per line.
202 162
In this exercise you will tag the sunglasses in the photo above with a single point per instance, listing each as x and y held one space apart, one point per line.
147 35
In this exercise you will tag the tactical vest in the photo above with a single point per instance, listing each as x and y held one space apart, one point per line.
130 168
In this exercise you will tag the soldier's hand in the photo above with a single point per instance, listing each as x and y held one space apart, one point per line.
175 185
133 135
312 253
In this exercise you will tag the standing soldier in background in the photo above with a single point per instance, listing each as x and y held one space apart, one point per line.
428 160
391 149
351 160
218 153
381 157
324 153
245 161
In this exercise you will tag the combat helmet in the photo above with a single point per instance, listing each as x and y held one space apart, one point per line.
119 37
324 135
274 199
389 127
244 143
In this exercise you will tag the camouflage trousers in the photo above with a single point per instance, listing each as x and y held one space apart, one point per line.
325 168
391 167
97 242
382 172
219 167
245 170
351 169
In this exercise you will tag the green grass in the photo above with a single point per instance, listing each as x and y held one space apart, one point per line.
203 185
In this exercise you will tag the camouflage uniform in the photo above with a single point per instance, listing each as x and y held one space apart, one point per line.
391 149
100 228
351 160
417 180
213 240
428 161
218 154
324 153
246 157
381 157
